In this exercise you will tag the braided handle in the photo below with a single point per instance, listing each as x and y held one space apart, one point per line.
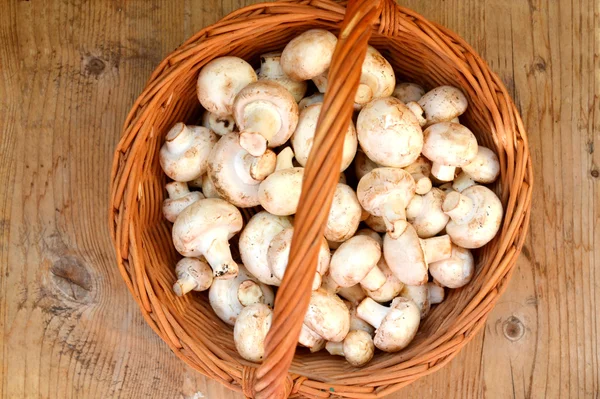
320 179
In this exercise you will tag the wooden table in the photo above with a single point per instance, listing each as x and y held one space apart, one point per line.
69 72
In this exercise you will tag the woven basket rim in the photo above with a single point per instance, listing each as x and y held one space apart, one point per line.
127 190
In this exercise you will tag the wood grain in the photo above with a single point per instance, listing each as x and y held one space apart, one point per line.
69 71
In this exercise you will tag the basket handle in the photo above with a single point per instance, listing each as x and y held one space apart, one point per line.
320 179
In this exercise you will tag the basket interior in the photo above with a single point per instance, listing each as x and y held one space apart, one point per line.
413 60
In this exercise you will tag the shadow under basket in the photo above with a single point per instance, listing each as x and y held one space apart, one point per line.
421 52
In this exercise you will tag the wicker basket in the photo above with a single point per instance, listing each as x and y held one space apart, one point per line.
420 51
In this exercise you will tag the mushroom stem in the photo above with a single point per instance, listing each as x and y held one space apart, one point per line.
178 138
249 292
372 312
262 122
184 285
436 248
443 172
353 294
284 159
462 182
335 348
457 206
254 143
219 258
414 207
394 216
260 167
422 183
374 280
177 190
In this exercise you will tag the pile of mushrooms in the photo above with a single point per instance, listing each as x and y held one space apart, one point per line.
410 205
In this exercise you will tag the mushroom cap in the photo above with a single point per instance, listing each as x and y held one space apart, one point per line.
303 137
308 54
220 81
404 256
254 244
362 164
223 296
310 100
250 331
280 193
485 167
196 269
421 165
353 260
399 326
407 92
327 315
311 339
425 213
219 124
419 294
267 96
356 323
229 172
377 74
481 224
456 271
388 291
344 214
370 233
443 103
358 348
389 133
270 69
376 223
382 185
279 252
184 155
173 206
449 144
208 187
198 225
436 293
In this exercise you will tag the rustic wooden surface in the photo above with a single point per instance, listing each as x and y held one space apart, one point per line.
70 70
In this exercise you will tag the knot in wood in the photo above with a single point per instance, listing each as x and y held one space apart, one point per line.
513 329
71 277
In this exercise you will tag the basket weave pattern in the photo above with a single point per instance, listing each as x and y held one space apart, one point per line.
421 52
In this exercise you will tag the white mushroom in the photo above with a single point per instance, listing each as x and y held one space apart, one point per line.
224 295
310 100
419 294
389 133
386 192
357 348
355 261
303 137
327 316
455 271
221 125
418 111
420 170
344 214
448 145
184 155
180 197
280 193
484 168
254 244
435 293
363 165
443 104
204 229
270 69
193 274
408 255
311 339
425 213
266 114
220 81
475 215
279 252
250 331
208 187
236 174
407 92
396 325
354 294
371 233
376 223
309 54
390 289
